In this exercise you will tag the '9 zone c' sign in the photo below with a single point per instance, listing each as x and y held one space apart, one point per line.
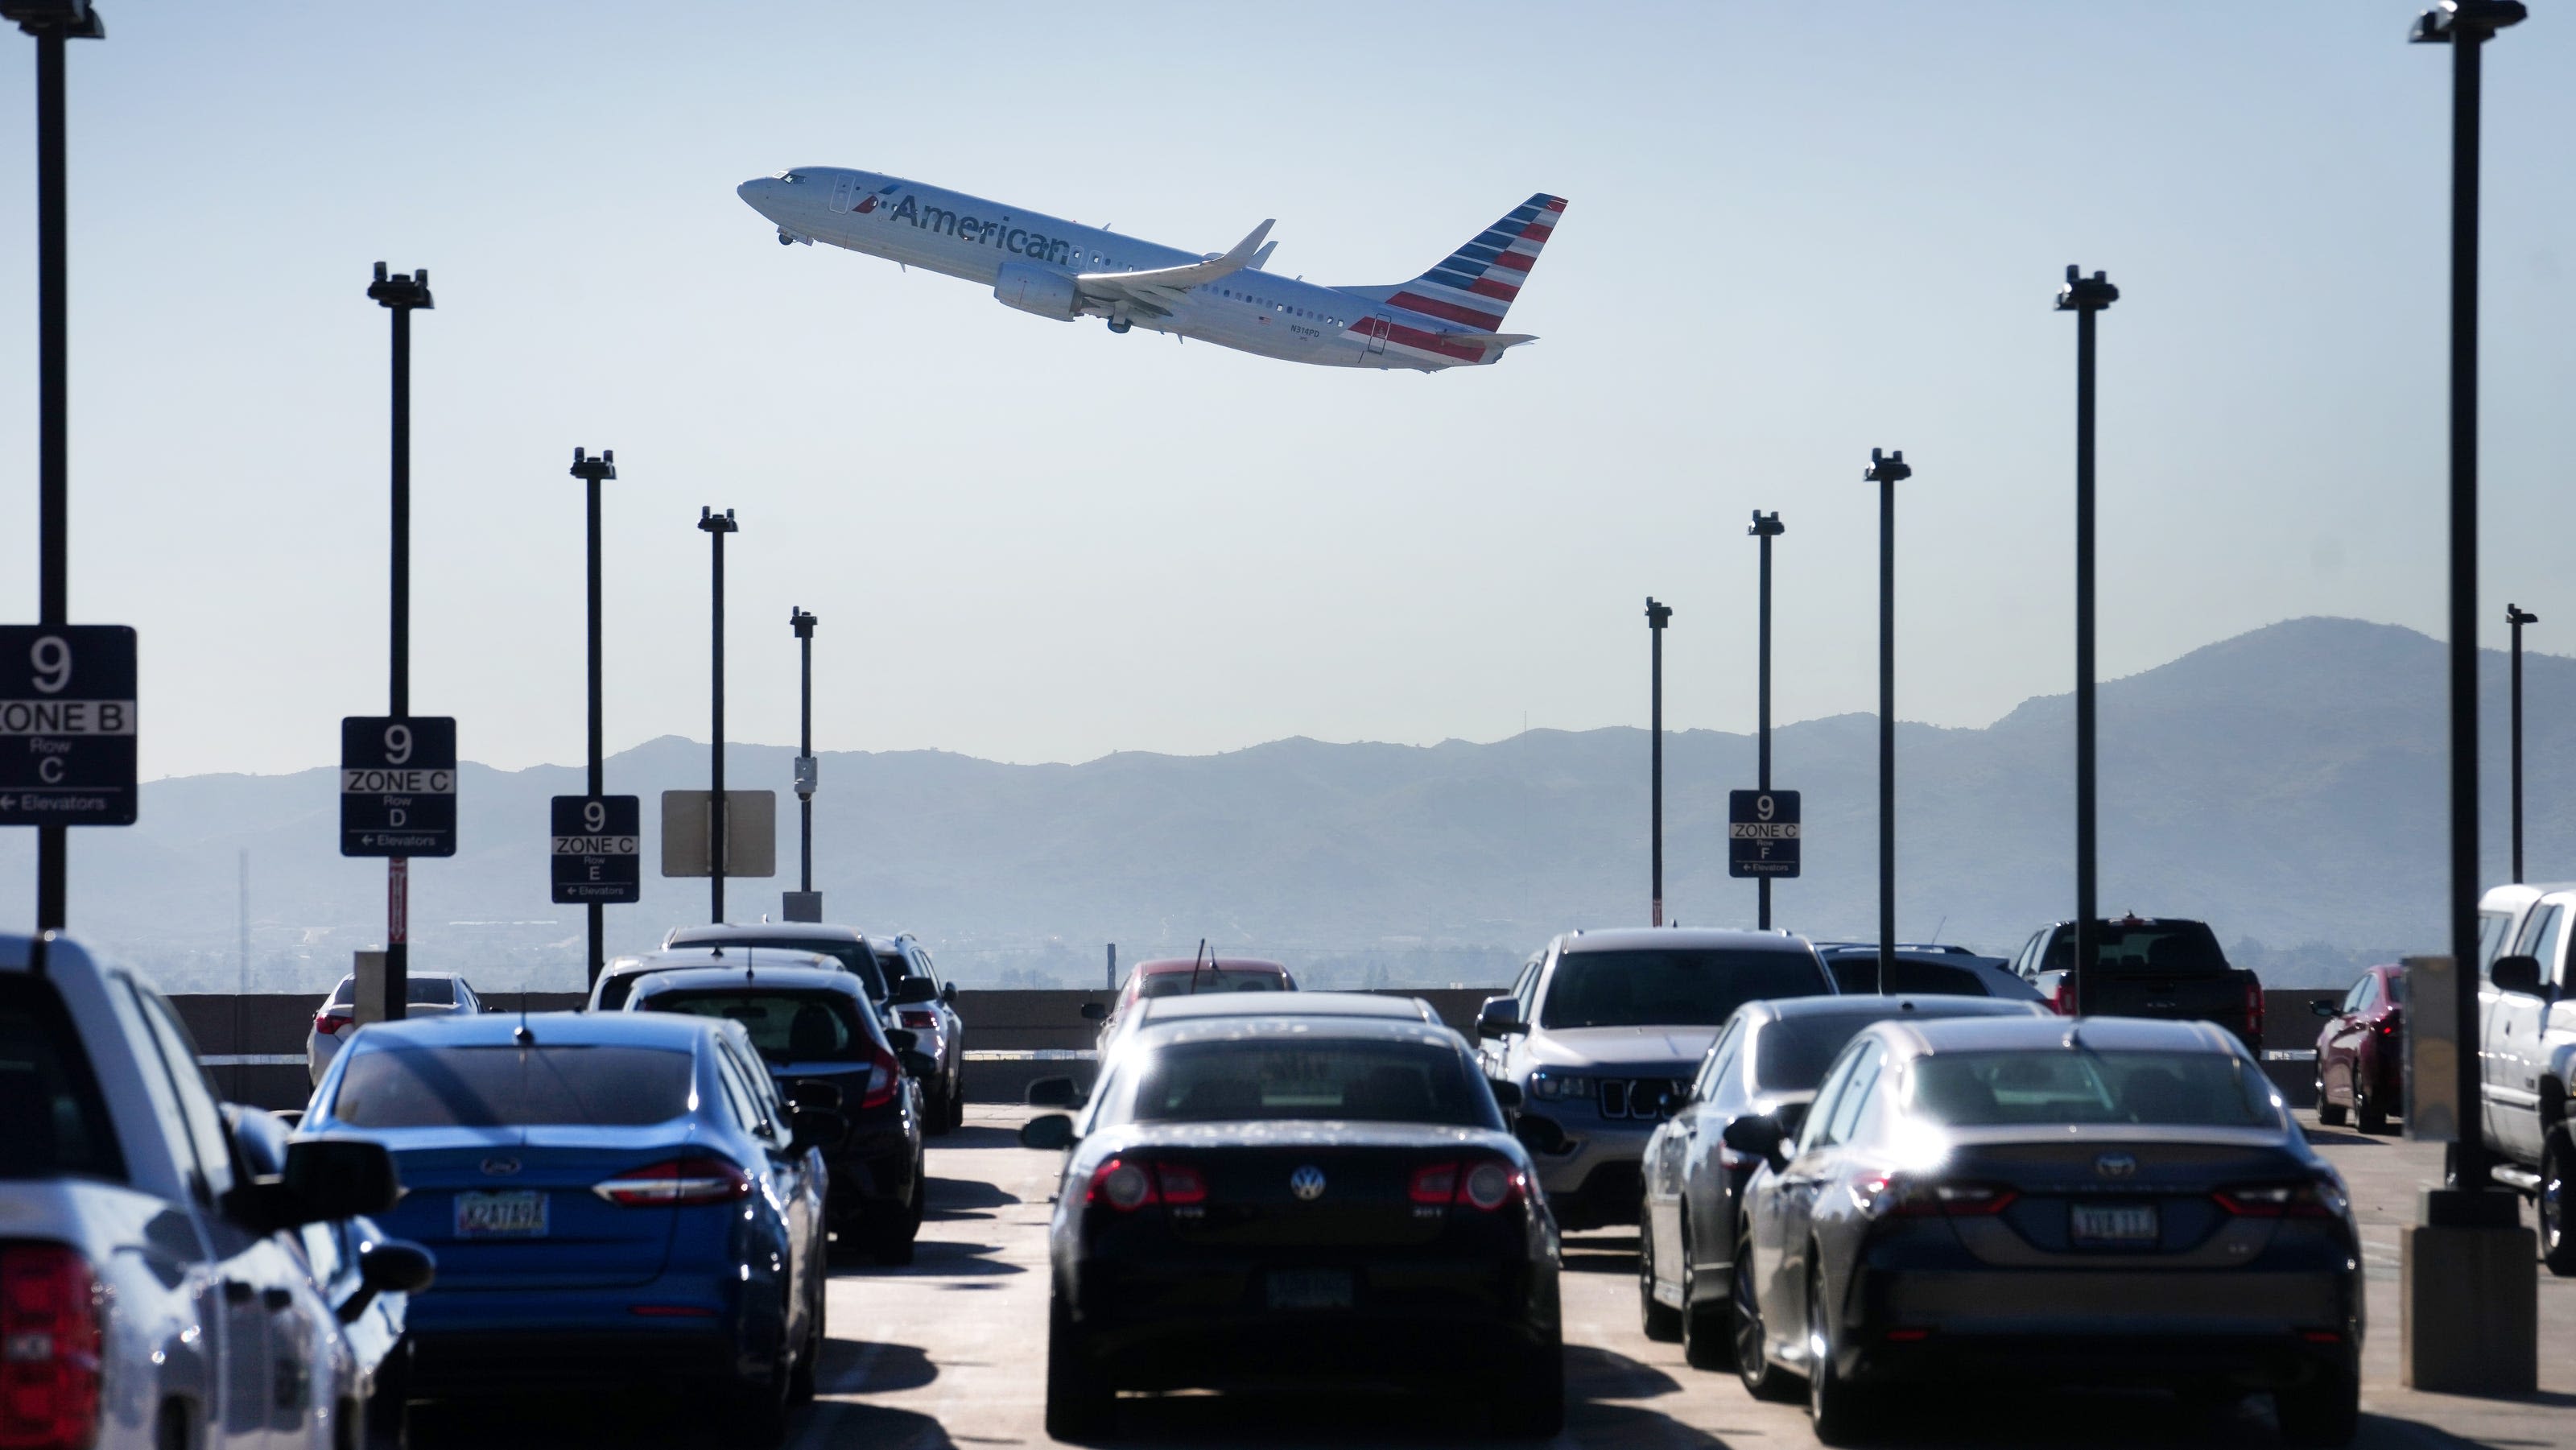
398 785
1762 833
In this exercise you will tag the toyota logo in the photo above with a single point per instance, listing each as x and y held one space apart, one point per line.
2116 1165
500 1167
1307 1183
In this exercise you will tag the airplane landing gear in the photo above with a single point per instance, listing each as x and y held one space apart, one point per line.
784 239
1119 324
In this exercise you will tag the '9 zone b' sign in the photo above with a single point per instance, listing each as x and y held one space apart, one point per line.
66 725
398 785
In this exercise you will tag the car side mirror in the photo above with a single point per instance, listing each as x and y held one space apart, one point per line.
815 1128
1095 1011
1539 1135
1499 1017
918 1064
815 1095
1507 1095
2517 974
325 1179
902 1039
1053 1092
2325 1009
948 993
391 1266
913 991
1050 1132
1759 1135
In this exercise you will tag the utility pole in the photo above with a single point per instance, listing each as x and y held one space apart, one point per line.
719 834
1657 616
2515 616
592 472
52 22
2085 297
810 906
1766 527
1887 470
400 295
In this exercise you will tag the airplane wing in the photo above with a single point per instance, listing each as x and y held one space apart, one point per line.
1154 292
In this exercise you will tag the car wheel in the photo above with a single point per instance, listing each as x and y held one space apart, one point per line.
2369 1114
891 1230
1529 1399
1081 1404
760 1407
1708 1330
1763 1380
800 1384
389 1403
1661 1321
2325 1411
935 1113
2557 1161
2329 1112
1838 1410
957 1102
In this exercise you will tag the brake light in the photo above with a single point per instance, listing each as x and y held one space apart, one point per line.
919 1021
1485 1186
1435 1183
885 1074
1124 1186
51 1325
677 1184
2281 1200
2062 1000
327 1023
2253 1011
1890 1195
2388 1024
1180 1185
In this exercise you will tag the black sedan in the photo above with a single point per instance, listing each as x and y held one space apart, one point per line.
2098 1201
1768 1059
1264 1199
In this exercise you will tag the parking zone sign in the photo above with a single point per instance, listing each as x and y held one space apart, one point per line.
598 849
1762 833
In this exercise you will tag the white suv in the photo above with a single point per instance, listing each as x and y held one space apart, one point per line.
2527 1051
1603 1033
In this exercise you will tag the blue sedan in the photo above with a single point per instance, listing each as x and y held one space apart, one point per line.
615 1199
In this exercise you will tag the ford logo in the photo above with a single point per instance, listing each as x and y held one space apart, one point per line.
500 1167
1307 1183
2116 1165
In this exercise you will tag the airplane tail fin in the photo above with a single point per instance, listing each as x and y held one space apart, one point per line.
1475 284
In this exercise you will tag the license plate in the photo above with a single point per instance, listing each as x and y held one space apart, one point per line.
2109 1223
1310 1289
519 1214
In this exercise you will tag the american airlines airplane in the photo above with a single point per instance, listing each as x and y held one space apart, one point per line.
1450 316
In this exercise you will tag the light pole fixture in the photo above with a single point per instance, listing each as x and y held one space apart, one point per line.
592 472
719 834
2516 616
803 904
401 296
1657 616
1765 527
2085 297
1887 470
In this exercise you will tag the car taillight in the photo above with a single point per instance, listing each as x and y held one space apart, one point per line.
327 1023
1122 1185
1894 1196
2388 1024
2062 1000
919 1021
1434 1183
2253 1011
885 1075
2282 1200
1180 1185
1486 1185
678 1183
51 1325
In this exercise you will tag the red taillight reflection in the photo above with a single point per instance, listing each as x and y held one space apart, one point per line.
1486 1184
2062 1000
328 1023
1434 1183
2388 1024
676 1184
52 1317
1894 1196
2275 1200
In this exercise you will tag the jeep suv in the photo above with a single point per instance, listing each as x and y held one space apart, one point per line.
1602 1035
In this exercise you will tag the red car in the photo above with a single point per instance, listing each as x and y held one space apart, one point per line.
2361 1054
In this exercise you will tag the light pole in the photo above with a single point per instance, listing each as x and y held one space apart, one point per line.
1887 470
399 295
2515 615
2085 297
719 836
1765 528
803 623
592 471
2465 26
52 22
1657 616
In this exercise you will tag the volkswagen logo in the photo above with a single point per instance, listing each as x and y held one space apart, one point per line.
500 1167
2116 1165
1307 1183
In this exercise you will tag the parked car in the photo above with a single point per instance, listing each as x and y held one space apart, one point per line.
2167 967
428 994
927 1007
1263 1197
1064 1092
841 943
824 1047
1923 971
618 978
1767 1060
2361 1051
616 1199
2023 1201
1182 977
2527 1053
1602 1035
152 1279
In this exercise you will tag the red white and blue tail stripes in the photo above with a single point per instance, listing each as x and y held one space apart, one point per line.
1474 286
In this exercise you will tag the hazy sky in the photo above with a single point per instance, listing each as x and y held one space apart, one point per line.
1794 232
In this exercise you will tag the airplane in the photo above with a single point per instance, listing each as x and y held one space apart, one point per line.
1450 316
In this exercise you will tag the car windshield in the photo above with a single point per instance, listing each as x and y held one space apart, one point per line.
1673 987
786 1026
2055 1086
1349 1080
1209 979
1913 976
55 1121
510 1086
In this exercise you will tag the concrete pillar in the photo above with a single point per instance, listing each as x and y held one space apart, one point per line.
2469 1296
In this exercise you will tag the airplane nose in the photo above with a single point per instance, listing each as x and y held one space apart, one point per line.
756 193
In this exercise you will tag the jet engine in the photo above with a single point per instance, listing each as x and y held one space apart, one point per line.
1040 290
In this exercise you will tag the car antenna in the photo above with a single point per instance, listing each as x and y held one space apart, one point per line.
1194 966
1936 929
521 1035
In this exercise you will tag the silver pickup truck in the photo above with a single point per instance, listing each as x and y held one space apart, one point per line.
157 1286
2527 1050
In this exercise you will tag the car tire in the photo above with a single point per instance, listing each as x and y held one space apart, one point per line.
1840 1412
1529 1399
1081 1404
957 1102
1762 1379
2557 1235
1708 1330
2329 1112
800 1384
2325 1411
2368 1113
892 1228
759 1413
389 1402
1660 1321
935 1112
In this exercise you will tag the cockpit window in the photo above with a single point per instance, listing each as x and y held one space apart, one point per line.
788 176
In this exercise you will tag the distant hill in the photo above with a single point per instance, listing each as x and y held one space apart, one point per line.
2287 784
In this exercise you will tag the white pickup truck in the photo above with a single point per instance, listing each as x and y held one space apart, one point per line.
2527 1050
156 1288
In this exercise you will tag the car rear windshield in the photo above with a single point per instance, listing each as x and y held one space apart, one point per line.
854 958
512 1087
1912 976
1207 980
2396 983
2159 948
785 1026
1792 1053
52 1119
1355 1081
2055 1086
424 991
1655 988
